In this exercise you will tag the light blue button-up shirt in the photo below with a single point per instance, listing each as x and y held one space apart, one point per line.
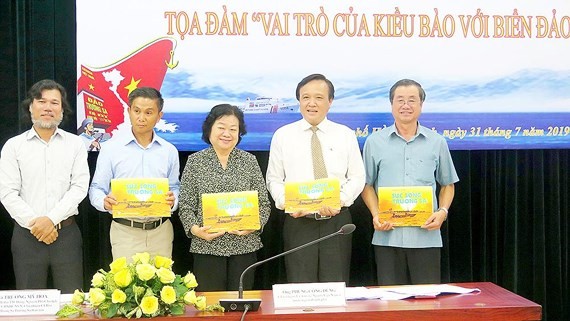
123 157
390 160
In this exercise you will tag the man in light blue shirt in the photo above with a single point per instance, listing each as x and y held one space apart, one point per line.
408 154
139 153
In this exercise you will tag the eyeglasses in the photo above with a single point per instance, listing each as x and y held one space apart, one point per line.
410 102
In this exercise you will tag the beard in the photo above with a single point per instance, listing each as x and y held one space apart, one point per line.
48 124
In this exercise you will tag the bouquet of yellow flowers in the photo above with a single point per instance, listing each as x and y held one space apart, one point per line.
146 287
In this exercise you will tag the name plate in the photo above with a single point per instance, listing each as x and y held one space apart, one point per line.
301 295
29 302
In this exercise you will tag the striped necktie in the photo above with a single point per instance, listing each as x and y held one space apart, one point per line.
319 168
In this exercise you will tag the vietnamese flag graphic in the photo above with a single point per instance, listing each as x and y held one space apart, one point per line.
104 91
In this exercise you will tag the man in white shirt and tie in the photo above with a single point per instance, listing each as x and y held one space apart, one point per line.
43 177
312 148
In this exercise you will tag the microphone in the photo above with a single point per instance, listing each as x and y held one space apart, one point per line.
241 304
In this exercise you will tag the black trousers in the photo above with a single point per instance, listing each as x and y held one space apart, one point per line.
398 266
33 259
327 261
222 273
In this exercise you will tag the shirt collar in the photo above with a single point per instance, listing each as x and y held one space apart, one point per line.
323 125
423 130
32 133
420 131
128 137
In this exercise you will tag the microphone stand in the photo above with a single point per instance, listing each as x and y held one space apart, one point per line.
241 304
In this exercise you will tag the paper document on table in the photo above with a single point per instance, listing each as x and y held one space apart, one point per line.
362 293
404 292
427 290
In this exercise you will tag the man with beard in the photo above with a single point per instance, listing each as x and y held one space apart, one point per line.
43 177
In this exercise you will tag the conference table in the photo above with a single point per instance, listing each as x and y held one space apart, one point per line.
491 303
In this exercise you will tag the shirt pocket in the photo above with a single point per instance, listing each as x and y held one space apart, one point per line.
425 170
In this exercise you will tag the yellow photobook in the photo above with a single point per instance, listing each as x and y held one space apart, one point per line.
140 197
232 211
405 205
310 196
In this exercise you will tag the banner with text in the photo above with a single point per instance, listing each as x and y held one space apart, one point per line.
494 71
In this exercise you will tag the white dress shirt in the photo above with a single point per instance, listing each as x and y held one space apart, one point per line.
290 159
43 179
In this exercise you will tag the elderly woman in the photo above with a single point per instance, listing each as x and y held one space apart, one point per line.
220 258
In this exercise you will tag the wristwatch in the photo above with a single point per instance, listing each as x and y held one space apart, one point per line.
445 210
